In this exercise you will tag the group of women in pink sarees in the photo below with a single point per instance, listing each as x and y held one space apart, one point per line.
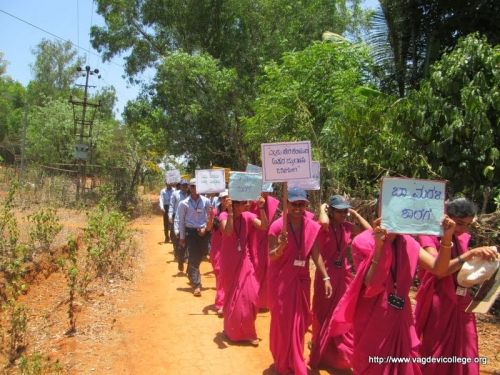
360 322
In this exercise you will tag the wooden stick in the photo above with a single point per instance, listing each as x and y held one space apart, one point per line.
285 208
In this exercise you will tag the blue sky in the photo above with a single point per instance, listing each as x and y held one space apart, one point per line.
69 20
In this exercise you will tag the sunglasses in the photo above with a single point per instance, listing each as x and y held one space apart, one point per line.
298 204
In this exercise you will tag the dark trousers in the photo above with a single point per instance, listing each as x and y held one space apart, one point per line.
196 248
166 224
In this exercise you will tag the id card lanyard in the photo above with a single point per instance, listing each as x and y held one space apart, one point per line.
298 240
393 299
196 209
238 232
338 242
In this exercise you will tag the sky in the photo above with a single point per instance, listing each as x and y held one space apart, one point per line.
69 20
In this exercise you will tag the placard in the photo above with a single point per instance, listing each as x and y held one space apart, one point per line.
226 172
412 206
173 176
266 186
286 161
210 181
311 183
245 186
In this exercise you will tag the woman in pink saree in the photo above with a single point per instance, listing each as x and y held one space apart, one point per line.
260 252
377 305
238 275
442 324
213 225
336 352
289 284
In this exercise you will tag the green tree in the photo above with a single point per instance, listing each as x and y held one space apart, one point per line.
201 105
50 133
239 33
323 94
409 35
454 116
12 103
54 71
3 64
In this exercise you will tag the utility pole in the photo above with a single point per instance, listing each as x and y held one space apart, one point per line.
84 122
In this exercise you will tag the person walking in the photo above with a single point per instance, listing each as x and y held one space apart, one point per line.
238 276
165 196
290 248
215 248
193 215
176 197
259 246
444 327
377 304
335 352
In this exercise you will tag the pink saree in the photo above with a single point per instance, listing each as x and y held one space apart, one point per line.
238 281
444 327
289 291
215 245
381 331
336 351
260 251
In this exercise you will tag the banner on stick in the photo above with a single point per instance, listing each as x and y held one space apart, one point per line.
286 161
412 206
210 181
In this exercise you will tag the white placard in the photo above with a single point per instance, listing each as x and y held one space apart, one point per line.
412 206
210 181
173 176
286 161
309 184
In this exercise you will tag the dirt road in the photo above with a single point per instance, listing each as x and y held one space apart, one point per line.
164 329
158 327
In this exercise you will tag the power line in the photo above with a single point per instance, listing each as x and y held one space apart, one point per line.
56 36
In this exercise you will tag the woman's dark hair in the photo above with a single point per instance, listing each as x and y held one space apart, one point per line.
461 207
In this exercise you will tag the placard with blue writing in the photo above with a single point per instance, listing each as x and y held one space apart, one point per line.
412 206
286 161
311 183
244 186
210 181
173 176
266 186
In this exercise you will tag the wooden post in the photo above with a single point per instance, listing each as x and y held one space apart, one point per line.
285 208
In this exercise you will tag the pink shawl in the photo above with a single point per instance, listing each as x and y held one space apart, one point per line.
444 327
238 281
289 291
380 330
260 251
336 351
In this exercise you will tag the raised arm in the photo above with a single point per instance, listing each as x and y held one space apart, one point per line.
227 226
262 222
439 266
360 220
485 252
323 218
